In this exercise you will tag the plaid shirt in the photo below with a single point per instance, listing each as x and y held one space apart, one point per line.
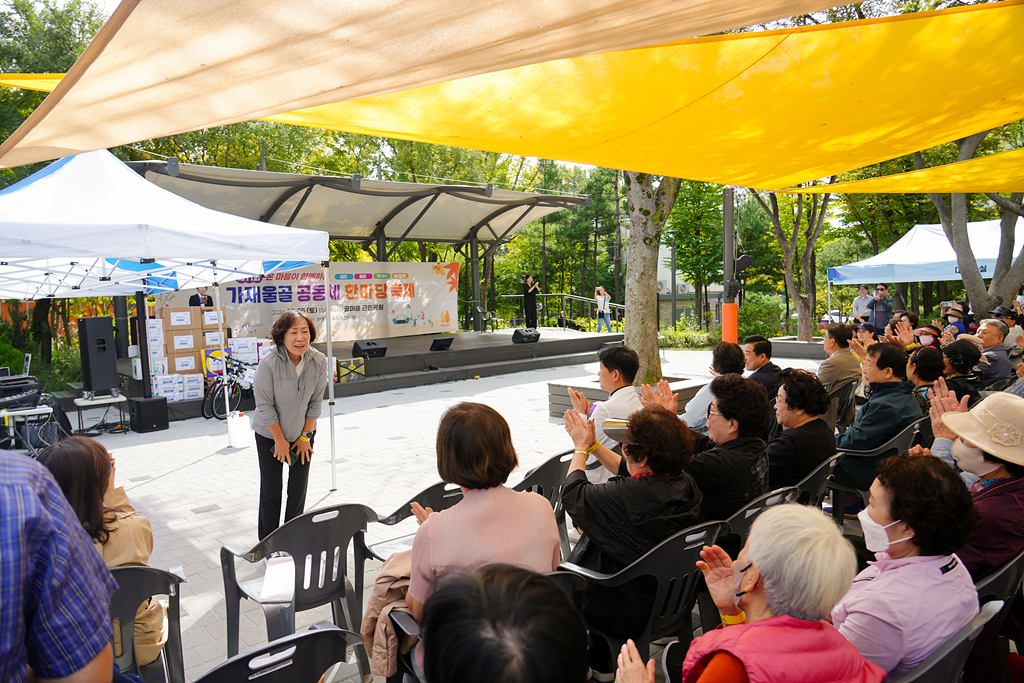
54 587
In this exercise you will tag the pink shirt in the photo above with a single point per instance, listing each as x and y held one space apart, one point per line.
495 525
899 611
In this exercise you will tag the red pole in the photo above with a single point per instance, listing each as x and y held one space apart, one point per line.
731 323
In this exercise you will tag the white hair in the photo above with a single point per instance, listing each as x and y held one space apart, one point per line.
806 564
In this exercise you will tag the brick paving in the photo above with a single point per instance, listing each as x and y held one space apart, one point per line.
200 494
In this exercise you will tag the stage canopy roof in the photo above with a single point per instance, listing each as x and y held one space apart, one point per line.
88 226
764 110
356 209
925 255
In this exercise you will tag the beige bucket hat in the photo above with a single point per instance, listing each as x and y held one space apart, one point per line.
993 426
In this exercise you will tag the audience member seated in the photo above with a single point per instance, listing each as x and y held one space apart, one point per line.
774 602
841 365
806 440
959 359
55 606
1017 388
726 359
85 472
1005 315
954 316
730 464
891 408
917 593
492 523
503 624
992 333
651 498
616 371
924 366
757 351
928 335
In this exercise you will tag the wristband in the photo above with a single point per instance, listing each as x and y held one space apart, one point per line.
304 438
733 620
593 448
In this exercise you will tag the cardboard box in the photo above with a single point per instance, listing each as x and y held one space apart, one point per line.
263 347
245 357
158 366
155 326
183 341
175 318
193 382
157 350
211 318
243 344
211 340
183 363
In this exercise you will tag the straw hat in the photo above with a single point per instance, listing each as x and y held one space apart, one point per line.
992 426
955 310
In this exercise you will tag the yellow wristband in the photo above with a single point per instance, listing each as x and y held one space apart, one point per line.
303 438
594 447
728 620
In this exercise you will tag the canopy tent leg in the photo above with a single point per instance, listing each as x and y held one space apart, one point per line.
830 303
326 265
223 353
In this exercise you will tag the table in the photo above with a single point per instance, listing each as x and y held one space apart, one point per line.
98 401
11 417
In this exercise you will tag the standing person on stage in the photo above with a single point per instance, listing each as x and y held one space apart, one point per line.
289 388
201 298
603 309
530 289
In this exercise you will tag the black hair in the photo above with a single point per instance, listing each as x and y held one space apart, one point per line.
963 355
804 391
927 363
841 334
741 399
762 347
890 356
1013 468
621 358
727 358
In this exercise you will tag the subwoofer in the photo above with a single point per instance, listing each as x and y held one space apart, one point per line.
99 360
525 335
148 414
369 349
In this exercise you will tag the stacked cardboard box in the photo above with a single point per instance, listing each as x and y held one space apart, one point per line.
244 349
190 331
170 386
193 387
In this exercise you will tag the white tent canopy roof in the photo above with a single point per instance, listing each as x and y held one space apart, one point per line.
356 209
925 255
88 226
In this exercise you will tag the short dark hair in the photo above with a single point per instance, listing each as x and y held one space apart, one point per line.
621 358
762 347
741 399
285 323
881 284
927 363
929 496
804 391
841 334
474 447
891 356
503 624
82 468
727 358
914 319
660 440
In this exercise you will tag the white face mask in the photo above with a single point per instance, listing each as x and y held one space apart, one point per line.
953 319
927 339
875 538
972 459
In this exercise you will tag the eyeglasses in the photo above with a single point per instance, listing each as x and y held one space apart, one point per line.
880 289
713 412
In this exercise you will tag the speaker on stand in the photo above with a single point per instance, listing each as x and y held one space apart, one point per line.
99 359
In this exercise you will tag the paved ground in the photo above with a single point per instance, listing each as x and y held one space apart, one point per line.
201 494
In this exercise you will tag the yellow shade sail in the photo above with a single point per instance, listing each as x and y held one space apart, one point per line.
160 67
764 110
1002 172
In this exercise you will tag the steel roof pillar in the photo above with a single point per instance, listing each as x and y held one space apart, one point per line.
474 261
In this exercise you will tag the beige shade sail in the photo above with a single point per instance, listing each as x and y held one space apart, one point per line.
1002 172
160 67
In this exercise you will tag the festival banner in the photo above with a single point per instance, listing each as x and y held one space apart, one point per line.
368 300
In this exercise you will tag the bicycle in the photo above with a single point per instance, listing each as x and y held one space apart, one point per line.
239 379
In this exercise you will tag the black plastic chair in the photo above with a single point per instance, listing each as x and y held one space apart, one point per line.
841 401
570 583
812 487
900 443
1002 584
672 564
947 663
135 585
488 316
547 480
317 542
297 658
1000 385
437 497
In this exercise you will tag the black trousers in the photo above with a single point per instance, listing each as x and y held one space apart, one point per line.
271 475
530 311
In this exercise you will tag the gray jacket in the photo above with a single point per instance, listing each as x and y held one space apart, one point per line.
283 397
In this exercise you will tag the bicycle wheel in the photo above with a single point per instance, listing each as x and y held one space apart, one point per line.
208 398
234 400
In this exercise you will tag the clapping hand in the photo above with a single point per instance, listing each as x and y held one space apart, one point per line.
660 395
421 513
943 400
582 430
631 666
579 402
859 348
717 567
904 333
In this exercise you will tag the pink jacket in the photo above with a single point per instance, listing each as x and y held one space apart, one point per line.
389 591
784 650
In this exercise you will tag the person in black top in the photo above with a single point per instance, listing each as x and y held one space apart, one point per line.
807 441
651 498
530 301
200 299
757 352
959 358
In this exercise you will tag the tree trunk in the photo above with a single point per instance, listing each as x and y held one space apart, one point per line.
649 208
41 328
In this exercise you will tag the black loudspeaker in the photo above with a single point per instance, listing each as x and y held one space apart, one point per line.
148 414
369 349
99 360
525 335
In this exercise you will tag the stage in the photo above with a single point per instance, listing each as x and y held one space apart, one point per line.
408 360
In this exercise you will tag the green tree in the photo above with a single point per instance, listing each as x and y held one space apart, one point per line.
696 226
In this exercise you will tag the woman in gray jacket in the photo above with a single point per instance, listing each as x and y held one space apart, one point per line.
289 390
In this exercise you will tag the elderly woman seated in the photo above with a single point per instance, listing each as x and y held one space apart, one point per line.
917 593
959 359
924 367
774 601
651 498
807 441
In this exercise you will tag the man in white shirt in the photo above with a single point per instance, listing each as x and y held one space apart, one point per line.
616 372
861 311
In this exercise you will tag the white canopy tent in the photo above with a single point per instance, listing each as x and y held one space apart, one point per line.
89 226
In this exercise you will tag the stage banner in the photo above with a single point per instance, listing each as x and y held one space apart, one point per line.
368 300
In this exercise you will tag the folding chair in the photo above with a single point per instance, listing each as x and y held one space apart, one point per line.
440 496
135 585
547 480
316 544
841 400
1002 584
812 488
947 663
